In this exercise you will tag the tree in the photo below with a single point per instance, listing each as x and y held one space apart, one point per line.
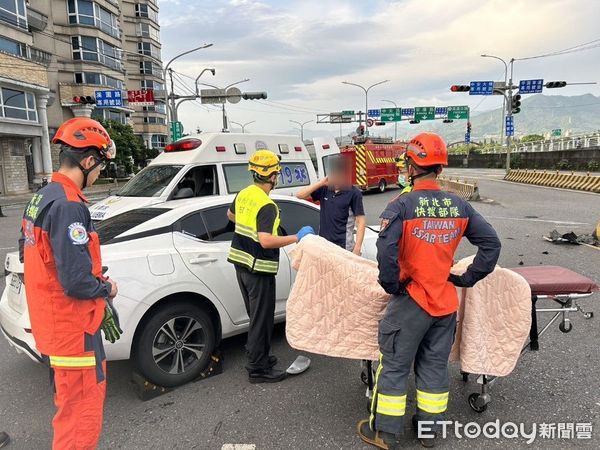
128 144
532 138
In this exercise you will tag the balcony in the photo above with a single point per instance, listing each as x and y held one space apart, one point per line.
36 20
40 56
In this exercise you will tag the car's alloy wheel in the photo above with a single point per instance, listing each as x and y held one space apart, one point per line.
174 345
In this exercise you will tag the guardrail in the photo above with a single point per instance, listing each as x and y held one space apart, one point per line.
466 189
587 182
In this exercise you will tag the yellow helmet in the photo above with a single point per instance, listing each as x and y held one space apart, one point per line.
264 163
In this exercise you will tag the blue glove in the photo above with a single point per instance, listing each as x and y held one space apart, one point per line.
304 231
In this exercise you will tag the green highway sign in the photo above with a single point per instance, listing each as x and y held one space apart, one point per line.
176 129
458 112
557 132
390 114
425 113
348 113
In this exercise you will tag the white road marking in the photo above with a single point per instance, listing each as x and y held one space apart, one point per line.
8 248
518 219
238 447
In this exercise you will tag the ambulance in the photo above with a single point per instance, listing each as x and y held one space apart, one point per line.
208 164
377 163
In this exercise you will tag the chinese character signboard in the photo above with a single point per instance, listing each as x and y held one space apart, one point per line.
481 88
176 129
108 99
441 111
143 97
407 112
373 113
425 113
458 112
390 115
531 86
347 113
510 126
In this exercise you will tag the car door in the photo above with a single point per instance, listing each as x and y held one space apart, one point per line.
294 215
203 242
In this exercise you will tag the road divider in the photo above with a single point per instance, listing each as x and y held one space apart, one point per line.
564 180
466 189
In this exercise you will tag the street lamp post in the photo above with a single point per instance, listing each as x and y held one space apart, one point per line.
243 125
225 126
175 111
301 125
366 90
395 123
166 68
503 96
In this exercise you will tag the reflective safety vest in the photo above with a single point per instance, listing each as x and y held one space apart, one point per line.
246 250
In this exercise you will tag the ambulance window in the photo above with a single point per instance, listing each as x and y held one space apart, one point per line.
218 225
150 182
237 177
294 216
284 149
201 180
193 225
240 149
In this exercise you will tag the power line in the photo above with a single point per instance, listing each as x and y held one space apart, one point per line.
577 48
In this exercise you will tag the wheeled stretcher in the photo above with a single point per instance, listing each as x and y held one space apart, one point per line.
563 286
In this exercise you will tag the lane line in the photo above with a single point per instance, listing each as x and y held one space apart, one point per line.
519 219
8 248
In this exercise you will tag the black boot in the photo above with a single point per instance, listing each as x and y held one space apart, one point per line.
272 361
427 442
379 439
267 376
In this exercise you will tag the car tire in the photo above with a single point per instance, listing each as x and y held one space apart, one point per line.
382 186
175 344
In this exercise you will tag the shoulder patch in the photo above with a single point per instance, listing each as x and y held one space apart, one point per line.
78 234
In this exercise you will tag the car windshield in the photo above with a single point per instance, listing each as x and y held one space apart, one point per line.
113 226
150 182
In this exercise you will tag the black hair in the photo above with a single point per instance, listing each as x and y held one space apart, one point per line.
261 178
68 155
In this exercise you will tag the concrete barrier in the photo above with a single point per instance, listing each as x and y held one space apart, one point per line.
466 189
564 180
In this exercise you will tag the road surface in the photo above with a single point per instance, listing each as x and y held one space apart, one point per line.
319 409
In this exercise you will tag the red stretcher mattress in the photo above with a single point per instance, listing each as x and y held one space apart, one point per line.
555 280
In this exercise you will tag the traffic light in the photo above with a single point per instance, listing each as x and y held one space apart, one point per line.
460 88
448 120
414 121
84 100
516 104
469 127
379 124
254 95
555 84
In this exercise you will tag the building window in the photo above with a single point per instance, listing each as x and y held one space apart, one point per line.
158 140
18 104
151 84
109 114
146 48
92 49
147 30
97 79
13 47
155 120
150 68
85 12
14 13
144 10
157 107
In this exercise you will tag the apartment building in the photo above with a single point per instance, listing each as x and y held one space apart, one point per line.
54 50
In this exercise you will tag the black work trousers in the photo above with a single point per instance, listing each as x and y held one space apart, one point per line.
258 292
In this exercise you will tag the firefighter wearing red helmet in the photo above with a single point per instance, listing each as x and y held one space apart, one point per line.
420 232
68 297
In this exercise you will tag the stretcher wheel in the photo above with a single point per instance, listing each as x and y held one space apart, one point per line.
473 403
565 326
588 315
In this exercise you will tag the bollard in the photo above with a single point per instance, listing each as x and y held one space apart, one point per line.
1 213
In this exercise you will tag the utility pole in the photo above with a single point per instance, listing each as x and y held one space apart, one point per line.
172 97
243 125
225 126
509 113
395 123
301 125
503 119
366 91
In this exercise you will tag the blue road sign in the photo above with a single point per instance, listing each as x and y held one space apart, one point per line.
510 126
108 99
407 112
374 112
531 86
441 110
467 138
481 88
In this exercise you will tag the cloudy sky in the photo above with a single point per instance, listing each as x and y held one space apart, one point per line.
301 51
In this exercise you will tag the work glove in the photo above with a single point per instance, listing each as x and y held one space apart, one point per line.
304 231
110 324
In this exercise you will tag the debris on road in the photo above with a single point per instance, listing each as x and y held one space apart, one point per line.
572 238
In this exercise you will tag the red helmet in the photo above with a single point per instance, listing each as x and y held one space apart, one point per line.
82 133
427 149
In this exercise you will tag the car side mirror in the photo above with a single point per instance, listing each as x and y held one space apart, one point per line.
182 193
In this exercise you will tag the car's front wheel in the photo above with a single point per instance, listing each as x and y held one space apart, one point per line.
175 344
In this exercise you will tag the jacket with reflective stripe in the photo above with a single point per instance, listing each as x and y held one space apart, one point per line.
63 271
246 250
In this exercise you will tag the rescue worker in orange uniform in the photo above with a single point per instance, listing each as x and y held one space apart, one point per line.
420 232
68 297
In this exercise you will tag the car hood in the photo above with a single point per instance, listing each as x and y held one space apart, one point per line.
113 205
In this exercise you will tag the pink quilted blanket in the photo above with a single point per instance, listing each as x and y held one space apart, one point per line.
336 303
